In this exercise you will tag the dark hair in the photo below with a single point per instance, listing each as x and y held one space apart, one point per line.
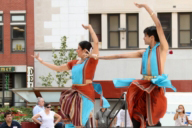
152 31
7 113
85 45
46 104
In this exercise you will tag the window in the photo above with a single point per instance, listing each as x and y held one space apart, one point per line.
95 21
17 18
19 82
165 19
1 18
113 32
18 34
7 82
18 38
185 30
132 31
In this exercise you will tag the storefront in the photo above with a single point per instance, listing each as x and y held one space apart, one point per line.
16 48
11 77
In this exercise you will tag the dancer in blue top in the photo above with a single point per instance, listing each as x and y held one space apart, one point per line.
78 102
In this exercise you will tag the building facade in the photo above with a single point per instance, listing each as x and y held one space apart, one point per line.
28 26
119 26
16 48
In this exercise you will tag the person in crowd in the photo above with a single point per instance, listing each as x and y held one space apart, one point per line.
101 117
47 117
180 117
40 107
9 123
121 118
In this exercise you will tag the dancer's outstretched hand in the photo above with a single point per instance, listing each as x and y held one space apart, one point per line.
139 5
37 57
86 27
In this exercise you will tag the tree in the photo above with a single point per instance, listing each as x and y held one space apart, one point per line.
58 59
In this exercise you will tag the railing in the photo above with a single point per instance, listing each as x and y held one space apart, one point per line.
124 103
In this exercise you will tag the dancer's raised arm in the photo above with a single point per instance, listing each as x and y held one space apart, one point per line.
63 67
95 39
137 54
164 44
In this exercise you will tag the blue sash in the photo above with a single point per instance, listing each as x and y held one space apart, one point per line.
153 61
161 81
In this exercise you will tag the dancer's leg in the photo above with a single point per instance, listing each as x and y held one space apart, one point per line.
157 125
136 124
87 107
79 127
69 126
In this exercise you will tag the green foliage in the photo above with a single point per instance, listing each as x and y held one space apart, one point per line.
21 114
58 59
47 81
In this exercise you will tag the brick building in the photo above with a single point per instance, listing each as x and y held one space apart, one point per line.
16 47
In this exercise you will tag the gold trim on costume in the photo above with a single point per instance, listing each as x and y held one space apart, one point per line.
79 84
149 77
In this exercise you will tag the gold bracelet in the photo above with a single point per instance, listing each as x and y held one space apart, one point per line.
152 13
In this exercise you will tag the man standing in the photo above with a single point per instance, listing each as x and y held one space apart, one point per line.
39 107
9 123
101 118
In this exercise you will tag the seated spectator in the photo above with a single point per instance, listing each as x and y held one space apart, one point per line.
180 117
47 117
9 123
40 107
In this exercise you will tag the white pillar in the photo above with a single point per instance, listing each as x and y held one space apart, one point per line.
104 30
174 30
123 34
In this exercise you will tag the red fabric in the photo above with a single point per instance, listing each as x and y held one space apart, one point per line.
88 74
137 100
89 69
71 63
86 90
71 107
